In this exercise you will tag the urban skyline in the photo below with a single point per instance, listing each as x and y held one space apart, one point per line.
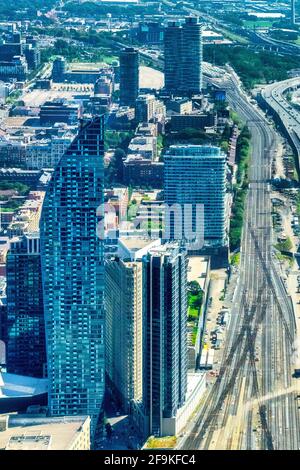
149 227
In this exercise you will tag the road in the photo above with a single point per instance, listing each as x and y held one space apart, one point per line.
259 40
274 97
252 404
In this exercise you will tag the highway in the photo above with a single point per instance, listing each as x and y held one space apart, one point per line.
257 39
274 97
253 402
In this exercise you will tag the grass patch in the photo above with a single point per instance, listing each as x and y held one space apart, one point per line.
194 335
284 258
168 442
240 191
286 245
193 313
253 67
235 259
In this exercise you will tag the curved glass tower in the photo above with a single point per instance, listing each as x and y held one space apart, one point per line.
73 271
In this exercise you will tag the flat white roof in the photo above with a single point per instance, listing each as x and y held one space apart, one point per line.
55 433
12 385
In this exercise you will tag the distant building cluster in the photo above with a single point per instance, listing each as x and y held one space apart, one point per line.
18 56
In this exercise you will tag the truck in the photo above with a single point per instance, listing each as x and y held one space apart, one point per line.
203 358
225 319
210 359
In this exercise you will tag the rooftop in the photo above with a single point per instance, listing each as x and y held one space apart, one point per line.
42 433
12 385
135 243
195 151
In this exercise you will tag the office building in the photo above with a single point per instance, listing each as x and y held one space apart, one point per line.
195 174
129 76
183 57
33 56
195 120
165 336
9 50
103 86
73 276
25 345
150 32
16 68
145 145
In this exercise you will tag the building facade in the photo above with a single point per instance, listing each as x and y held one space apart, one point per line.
52 112
165 334
196 174
73 276
25 345
16 68
183 57
129 76
191 60
124 329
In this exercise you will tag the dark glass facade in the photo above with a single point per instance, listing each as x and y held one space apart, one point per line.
26 352
129 77
183 57
165 335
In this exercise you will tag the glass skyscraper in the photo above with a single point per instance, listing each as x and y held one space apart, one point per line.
165 334
183 57
196 175
73 276
129 76
26 351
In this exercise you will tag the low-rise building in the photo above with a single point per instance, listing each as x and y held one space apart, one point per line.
147 107
143 145
52 112
140 171
180 106
178 122
25 432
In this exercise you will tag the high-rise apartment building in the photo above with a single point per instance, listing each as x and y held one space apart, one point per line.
73 276
183 57
165 334
129 76
25 345
124 329
195 174
191 56
172 52
59 69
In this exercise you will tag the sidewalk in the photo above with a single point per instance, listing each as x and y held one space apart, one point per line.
123 436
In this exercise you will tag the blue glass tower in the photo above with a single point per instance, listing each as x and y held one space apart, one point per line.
73 272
